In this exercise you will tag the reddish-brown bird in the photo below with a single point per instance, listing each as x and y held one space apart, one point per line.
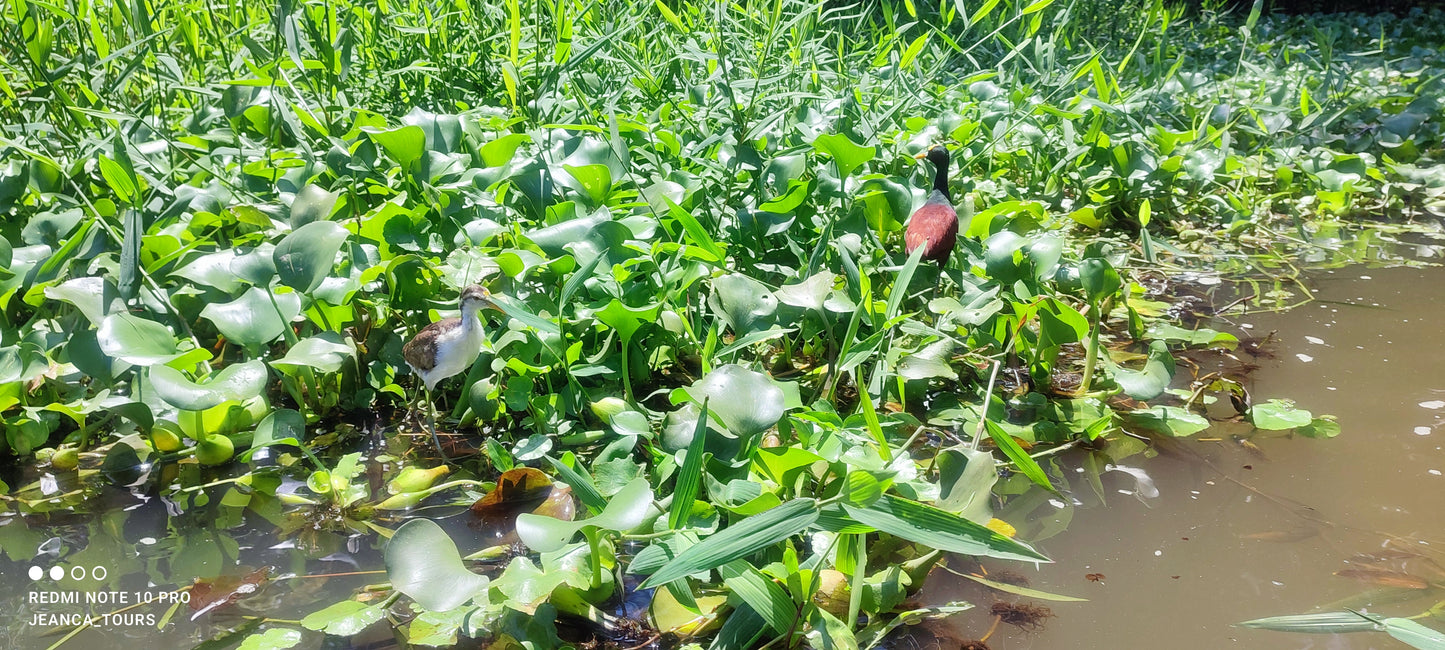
934 227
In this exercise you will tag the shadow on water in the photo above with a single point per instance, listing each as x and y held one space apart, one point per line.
1281 525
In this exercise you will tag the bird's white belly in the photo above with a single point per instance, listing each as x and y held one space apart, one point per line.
455 354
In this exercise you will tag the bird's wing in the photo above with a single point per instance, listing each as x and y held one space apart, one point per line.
421 350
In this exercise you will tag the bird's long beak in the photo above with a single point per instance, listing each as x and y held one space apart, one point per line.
922 154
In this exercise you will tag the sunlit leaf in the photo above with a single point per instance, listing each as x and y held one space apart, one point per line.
423 563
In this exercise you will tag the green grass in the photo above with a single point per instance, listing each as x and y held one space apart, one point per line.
225 220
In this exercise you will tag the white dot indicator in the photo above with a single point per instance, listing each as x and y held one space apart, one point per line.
1422 431
36 573
56 573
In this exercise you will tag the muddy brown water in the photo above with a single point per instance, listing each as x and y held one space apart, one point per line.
1178 570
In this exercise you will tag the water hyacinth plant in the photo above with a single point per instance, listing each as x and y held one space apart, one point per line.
718 403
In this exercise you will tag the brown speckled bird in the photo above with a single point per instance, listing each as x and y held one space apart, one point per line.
934 227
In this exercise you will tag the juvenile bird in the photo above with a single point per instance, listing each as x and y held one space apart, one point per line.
447 347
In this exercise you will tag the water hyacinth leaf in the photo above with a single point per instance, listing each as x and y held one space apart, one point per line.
746 402
1202 337
627 510
345 618
212 270
1168 420
673 617
739 540
276 638
1321 427
437 629
305 257
326 352
280 427
403 144
1321 623
127 462
93 297
136 340
846 154
312 204
744 303
253 319
500 151
1278 415
810 293
924 524
965 482
423 563
626 320
1415 634
928 363
1099 279
238 381
1150 382
594 181
1015 453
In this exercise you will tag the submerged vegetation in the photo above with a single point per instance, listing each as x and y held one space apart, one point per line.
712 358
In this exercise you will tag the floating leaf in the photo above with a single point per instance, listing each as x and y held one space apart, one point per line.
1279 414
423 563
1415 634
345 618
1021 591
1168 420
1150 382
1323 623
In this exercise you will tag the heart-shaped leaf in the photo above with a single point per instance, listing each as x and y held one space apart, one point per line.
238 381
253 319
627 510
423 563
1150 382
304 257
746 402
136 340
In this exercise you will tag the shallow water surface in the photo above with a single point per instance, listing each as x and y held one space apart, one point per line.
1237 534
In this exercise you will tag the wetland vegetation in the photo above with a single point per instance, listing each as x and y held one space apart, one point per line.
718 405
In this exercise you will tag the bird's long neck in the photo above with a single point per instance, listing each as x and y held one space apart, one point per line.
940 180
470 322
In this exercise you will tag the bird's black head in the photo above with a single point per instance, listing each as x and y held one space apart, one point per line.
938 155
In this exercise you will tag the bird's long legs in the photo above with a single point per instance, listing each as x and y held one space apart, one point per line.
431 424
